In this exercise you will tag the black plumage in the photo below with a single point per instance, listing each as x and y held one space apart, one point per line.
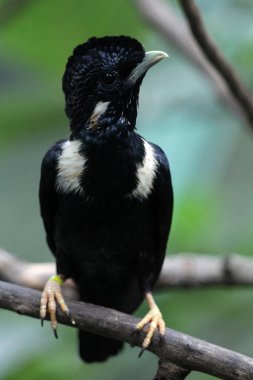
105 194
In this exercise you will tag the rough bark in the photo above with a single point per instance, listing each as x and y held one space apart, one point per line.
180 349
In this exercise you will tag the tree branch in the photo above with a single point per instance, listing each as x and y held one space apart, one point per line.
180 349
183 270
214 55
199 270
162 17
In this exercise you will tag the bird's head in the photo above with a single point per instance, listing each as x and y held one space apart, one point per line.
101 83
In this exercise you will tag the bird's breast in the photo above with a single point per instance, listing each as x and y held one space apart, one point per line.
106 170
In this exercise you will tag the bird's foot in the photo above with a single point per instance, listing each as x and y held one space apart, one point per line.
52 295
155 319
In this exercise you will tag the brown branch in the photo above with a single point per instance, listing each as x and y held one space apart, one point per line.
183 270
180 349
214 55
161 16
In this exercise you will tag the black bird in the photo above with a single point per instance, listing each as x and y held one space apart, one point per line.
105 194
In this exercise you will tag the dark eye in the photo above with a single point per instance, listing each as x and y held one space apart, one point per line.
108 79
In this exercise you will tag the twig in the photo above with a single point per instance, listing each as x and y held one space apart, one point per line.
162 17
182 270
180 349
214 55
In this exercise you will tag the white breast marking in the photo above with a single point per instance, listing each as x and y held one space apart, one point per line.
146 172
70 167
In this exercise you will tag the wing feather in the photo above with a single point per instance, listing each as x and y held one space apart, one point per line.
47 192
163 206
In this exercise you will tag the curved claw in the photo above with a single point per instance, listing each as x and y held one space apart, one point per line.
141 352
55 333
70 317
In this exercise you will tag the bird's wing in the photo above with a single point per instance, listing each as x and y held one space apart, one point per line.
163 206
47 192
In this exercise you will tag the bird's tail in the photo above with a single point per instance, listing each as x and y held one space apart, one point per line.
95 348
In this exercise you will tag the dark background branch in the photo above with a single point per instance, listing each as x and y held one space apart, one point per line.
162 17
180 349
214 55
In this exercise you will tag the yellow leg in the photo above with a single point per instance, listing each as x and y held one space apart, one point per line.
154 318
52 295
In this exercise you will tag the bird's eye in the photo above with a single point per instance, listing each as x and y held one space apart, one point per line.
108 79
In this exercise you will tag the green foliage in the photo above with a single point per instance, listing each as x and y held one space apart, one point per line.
194 217
27 118
46 32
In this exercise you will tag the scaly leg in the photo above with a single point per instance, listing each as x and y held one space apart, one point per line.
52 295
154 318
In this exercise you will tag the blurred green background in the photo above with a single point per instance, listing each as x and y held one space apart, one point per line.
209 148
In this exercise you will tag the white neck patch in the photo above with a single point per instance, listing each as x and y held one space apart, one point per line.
70 167
99 109
146 172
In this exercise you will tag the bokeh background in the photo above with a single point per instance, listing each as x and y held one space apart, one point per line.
209 148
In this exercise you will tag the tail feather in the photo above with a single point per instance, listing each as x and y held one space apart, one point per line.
96 348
